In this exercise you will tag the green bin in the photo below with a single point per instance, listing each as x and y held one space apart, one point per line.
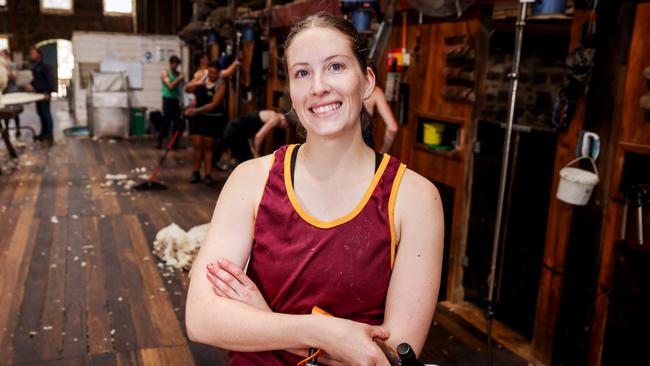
138 123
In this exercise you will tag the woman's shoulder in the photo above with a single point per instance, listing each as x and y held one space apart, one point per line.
252 172
416 191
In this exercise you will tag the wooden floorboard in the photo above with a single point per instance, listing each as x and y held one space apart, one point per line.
78 282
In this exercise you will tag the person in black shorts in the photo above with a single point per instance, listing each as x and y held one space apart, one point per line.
208 120
244 136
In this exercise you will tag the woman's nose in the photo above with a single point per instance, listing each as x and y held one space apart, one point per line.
319 85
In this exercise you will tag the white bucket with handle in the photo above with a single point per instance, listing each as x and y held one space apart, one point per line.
577 184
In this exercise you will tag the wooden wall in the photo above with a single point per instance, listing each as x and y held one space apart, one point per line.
426 81
633 136
558 228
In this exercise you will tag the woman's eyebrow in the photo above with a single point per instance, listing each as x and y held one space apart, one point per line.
325 60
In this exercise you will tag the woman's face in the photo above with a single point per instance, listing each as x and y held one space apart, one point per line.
326 83
213 73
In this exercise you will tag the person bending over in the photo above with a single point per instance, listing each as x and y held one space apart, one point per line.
329 223
245 135
208 121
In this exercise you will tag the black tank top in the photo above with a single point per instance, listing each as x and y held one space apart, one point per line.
204 95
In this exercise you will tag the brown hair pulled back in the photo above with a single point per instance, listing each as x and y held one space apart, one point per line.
346 28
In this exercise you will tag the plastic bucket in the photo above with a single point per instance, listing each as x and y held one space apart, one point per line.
577 184
361 19
548 7
433 133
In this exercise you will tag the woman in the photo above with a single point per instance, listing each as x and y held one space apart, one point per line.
208 121
369 254
378 101
201 61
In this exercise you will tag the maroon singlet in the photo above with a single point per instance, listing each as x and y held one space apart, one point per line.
342 266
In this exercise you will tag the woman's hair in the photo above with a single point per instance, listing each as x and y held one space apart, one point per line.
215 65
347 29
340 24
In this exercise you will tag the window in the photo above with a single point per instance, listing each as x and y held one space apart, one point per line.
4 42
118 7
56 6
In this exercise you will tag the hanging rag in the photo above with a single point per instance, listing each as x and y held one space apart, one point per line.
579 64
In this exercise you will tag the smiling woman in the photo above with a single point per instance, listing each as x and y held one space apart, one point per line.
329 223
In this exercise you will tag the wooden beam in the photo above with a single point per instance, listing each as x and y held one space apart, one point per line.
558 227
634 136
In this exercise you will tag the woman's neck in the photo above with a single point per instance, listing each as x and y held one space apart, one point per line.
324 158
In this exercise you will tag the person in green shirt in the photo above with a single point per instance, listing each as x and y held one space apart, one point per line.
170 78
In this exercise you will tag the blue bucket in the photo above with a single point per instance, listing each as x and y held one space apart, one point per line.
248 34
361 19
542 7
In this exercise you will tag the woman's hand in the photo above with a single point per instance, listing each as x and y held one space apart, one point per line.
190 111
230 281
351 343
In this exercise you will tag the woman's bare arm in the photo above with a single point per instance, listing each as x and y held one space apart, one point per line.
235 325
386 115
415 281
228 71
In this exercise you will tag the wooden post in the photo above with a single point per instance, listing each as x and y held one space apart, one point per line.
634 136
558 227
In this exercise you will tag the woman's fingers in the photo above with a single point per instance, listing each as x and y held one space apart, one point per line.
379 332
218 292
223 285
234 270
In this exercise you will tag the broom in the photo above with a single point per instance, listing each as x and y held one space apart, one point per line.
151 183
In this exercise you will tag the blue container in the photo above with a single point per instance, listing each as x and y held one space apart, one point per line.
248 34
213 38
542 7
361 19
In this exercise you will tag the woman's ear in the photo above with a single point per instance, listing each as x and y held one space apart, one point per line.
370 83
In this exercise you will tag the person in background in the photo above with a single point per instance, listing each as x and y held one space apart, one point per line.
377 101
244 136
171 78
208 121
202 61
7 62
42 82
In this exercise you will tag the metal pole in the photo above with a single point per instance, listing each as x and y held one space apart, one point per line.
237 74
514 77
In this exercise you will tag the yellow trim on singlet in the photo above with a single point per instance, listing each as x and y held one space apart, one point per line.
263 188
391 213
328 224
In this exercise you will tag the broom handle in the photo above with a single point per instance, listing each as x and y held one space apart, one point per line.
155 172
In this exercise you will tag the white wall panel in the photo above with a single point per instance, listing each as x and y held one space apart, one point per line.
93 47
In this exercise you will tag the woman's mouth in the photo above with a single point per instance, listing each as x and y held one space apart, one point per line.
325 108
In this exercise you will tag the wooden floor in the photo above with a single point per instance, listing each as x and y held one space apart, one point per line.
78 282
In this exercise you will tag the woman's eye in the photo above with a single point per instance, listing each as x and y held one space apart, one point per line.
301 73
337 67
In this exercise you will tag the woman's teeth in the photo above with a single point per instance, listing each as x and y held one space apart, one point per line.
326 108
